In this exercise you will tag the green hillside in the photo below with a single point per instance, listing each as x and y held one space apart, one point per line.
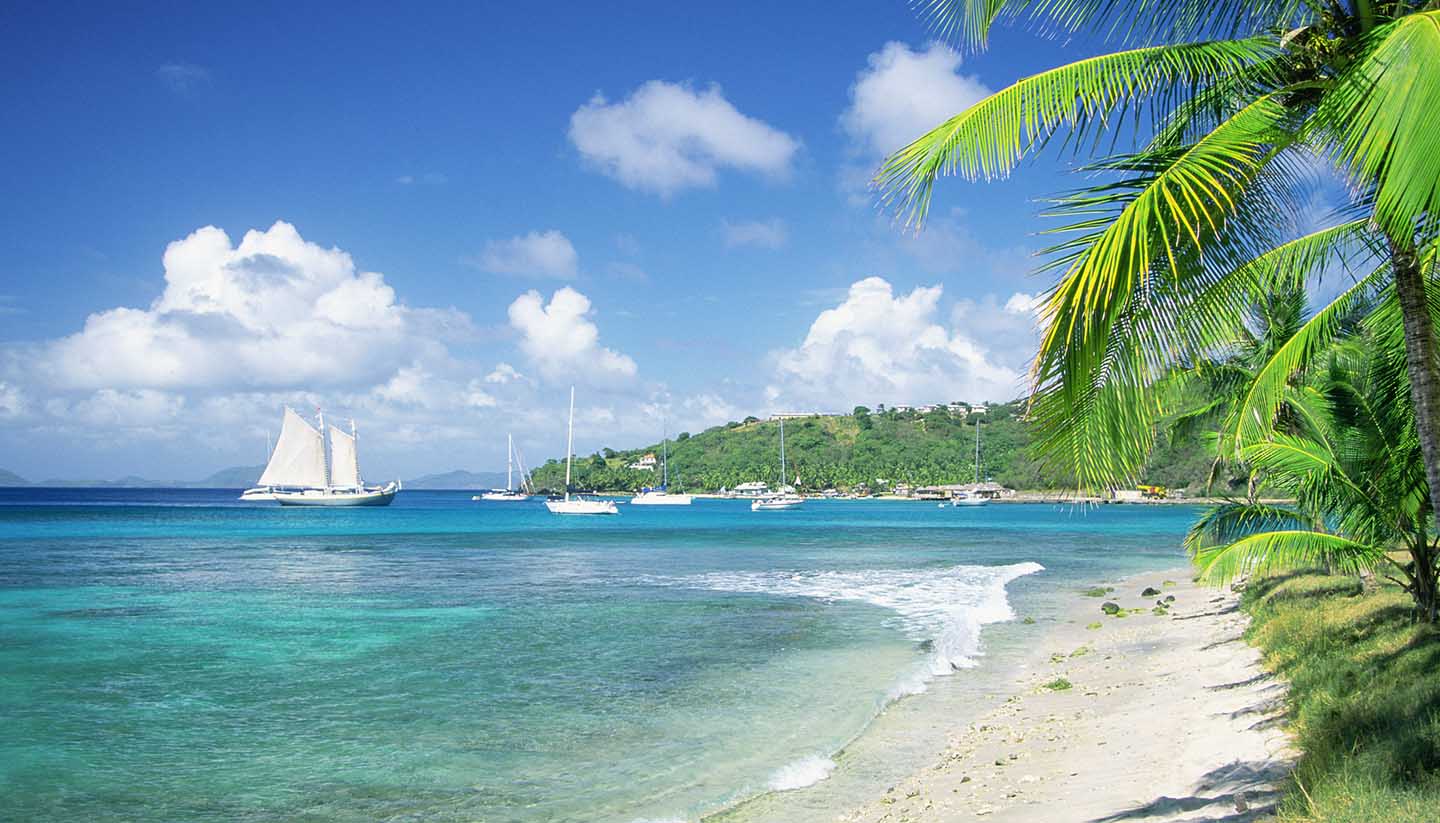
875 449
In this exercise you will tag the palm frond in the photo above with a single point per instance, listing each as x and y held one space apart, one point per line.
1255 416
1110 323
1148 20
1270 551
1375 110
989 138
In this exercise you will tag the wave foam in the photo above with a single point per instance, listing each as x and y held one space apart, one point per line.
806 771
944 607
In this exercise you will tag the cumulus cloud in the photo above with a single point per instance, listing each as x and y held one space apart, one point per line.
562 340
761 234
880 347
270 312
503 373
534 254
902 93
666 137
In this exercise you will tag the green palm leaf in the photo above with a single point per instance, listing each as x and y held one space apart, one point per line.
1279 550
1255 416
989 138
1381 110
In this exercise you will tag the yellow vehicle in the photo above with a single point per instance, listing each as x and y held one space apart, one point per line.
1152 492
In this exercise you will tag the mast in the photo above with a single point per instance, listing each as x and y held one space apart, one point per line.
569 444
782 453
355 444
977 453
509 461
324 445
664 457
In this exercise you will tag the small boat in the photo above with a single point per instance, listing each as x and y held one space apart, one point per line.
784 497
662 496
299 475
971 498
508 494
578 505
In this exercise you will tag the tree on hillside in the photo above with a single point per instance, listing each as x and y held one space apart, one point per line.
1231 102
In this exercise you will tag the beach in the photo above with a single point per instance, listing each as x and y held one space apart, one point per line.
1164 718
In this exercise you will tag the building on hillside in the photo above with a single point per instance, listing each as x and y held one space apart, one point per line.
944 491
644 464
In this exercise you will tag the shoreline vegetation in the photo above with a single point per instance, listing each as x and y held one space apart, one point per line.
874 451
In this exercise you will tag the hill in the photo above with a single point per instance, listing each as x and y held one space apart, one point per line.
235 477
9 478
875 449
460 479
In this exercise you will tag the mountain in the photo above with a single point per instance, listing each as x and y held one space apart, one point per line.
876 449
8 478
235 477
459 479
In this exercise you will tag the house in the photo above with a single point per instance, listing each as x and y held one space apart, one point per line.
644 464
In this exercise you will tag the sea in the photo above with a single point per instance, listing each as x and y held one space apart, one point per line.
181 655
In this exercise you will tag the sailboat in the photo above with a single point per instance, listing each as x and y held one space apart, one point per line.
260 492
784 497
508 494
972 498
299 475
662 496
578 505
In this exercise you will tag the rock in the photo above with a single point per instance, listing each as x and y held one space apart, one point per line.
1150 591
1110 607
926 645
1169 598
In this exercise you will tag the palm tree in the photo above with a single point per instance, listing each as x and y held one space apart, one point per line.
1354 468
1233 100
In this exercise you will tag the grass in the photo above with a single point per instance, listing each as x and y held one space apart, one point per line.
1364 700
1059 684
1097 591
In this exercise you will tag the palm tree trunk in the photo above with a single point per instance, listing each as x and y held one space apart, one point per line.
1422 358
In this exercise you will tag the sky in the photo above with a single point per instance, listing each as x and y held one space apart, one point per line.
438 220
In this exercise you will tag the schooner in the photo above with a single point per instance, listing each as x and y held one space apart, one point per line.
298 473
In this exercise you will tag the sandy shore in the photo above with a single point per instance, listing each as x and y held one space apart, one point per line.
1167 718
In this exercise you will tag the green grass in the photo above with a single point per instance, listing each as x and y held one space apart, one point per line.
1097 591
1059 684
1364 701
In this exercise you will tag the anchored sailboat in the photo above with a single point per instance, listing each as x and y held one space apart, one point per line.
662 496
784 497
508 494
579 505
299 475
972 498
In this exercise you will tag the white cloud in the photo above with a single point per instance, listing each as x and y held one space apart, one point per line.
666 137
182 78
901 94
274 311
561 339
534 254
762 234
12 400
503 373
877 347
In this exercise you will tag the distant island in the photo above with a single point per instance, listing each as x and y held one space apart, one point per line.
241 477
875 450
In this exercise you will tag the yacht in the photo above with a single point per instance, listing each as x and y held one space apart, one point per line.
508 494
972 498
577 505
662 496
299 475
784 497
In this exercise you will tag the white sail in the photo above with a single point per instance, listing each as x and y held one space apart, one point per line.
344 464
299 456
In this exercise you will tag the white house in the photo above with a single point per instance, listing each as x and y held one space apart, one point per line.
644 464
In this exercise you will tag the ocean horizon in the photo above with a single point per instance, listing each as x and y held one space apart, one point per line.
179 654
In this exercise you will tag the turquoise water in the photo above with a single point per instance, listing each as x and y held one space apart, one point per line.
179 655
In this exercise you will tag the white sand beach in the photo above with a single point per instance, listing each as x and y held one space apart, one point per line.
1168 718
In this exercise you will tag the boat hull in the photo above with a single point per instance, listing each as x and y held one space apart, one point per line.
501 497
781 504
661 499
315 498
258 494
581 507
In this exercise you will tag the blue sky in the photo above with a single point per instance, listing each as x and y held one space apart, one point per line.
681 185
